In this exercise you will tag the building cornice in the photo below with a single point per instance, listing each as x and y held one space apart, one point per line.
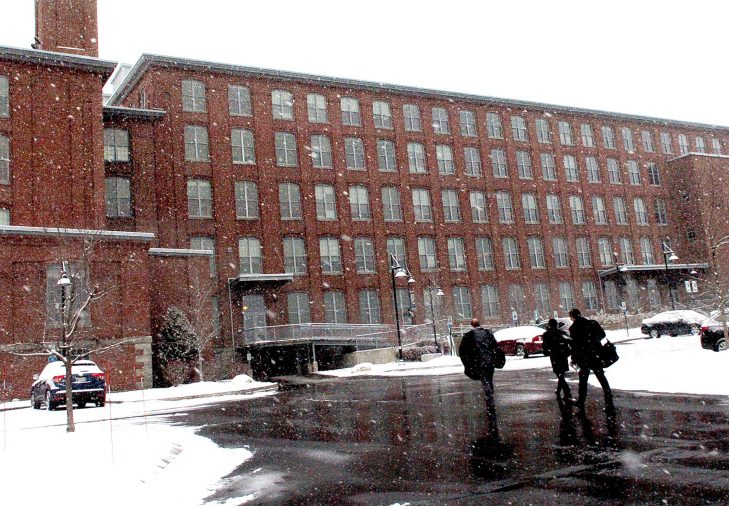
65 233
179 252
51 58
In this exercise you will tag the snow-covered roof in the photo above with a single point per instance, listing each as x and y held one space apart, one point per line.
651 267
55 59
75 232
115 111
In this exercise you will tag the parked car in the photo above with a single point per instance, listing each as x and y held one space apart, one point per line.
712 333
673 323
520 341
562 324
89 385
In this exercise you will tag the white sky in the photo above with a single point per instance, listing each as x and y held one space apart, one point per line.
657 58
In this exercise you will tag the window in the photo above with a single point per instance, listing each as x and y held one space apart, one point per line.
654 296
298 307
193 96
647 139
451 207
493 125
543 133
364 255
4 97
628 139
611 295
599 214
505 207
316 106
116 145
246 200
4 160
700 146
511 253
654 176
404 304
462 302
468 123
369 307
608 137
565 134
381 114
426 253
716 146
683 145
661 213
589 293
529 204
196 144
411 116
241 141
621 214
490 301
479 212
690 235
613 171
421 205
484 253
549 172
330 256
498 163
626 250
4 216
118 197
456 254
386 156
289 199
440 121
335 309
203 243
588 140
282 104
321 152
76 293
554 209
472 157
350 111
524 165
516 298
561 254
566 297
593 169
646 250
536 252
416 158
641 215
518 128
606 251
249 255
570 168
199 199
577 209
354 153
541 299
391 208
286 155
584 257
326 202
666 144
396 248
634 173
444 156
359 203
295 259
239 101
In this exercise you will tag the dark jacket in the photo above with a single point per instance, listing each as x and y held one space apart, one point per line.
556 344
476 351
586 342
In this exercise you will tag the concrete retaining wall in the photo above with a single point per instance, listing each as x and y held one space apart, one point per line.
378 356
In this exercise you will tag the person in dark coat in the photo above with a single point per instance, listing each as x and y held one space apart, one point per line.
586 338
476 352
556 345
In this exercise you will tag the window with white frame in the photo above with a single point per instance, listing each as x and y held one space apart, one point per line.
321 152
490 301
386 161
608 137
628 144
196 144
246 200
350 111
242 144
536 252
554 209
505 207
479 211
484 253
316 106
426 253
396 248
468 123
498 163
381 114
354 153
193 96
716 146
519 129
4 216
621 213
493 126
565 134
511 253
626 251
588 140
116 145
364 255
646 250
4 160
4 97
462 302
432 303
286 154
589 294
369 307
641 215
599 213
404 304
516 299
541 299
647 138
411 117
472 157
529 204
118 197
249 255
549 171
359 203
421 205
584 256
77 293
654 176
570 168
524 165
654 296
614 171
289 201
543 133
593 169
456 254
661 212
330 255
611 295
199 198
666 144
416 158
239 100
561 252
605 248
326 202
298 308
444 157
203 243
295 259
634 173
391 207
700 146
335 307
577 209
566 296
451 206
683 145
440 121
282 104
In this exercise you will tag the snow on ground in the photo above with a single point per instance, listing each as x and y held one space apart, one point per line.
128 452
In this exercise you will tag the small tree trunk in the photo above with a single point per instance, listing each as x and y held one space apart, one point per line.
70 427
200 364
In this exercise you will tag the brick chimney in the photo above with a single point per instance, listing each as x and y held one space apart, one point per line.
67 26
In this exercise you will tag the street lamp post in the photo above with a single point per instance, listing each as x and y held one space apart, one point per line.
64 283
396 271
439 293
668 254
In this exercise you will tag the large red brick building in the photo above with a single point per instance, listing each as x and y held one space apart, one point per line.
303 186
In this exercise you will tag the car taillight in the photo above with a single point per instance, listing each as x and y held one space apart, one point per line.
59 379
704 328
536 339
98 375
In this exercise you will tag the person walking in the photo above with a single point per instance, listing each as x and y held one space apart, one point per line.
556 345
477 354
586 336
